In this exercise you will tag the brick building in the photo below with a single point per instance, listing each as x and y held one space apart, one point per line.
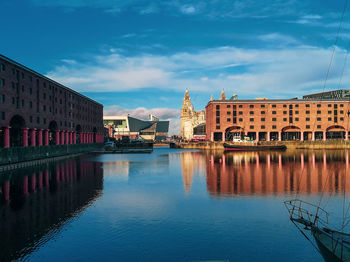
266 120
37 111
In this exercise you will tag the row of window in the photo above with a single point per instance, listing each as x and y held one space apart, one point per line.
275 127
284 112
296 119
274 106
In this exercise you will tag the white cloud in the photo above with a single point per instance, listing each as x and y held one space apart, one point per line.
188 9
274 72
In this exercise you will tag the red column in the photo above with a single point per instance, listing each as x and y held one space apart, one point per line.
57 137
25 136
74 137
33 137
67 135
71 137
47 178
62 138
33 182
40 137
82 137
40 180
25 186
7 190
46 137
7 137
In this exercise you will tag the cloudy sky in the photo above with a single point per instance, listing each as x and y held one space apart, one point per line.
139 56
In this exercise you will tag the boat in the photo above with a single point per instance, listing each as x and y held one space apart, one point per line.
312 220
251 147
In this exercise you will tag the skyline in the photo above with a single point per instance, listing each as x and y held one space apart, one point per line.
139 56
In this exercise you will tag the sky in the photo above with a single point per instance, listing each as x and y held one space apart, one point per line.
139 56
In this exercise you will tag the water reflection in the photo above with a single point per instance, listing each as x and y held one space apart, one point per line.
36 202
266 173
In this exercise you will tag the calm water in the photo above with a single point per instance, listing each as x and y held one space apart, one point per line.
171 205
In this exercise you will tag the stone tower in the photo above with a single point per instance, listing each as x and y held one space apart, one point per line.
190 118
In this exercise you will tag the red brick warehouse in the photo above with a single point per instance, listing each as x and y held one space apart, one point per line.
277 119
37 111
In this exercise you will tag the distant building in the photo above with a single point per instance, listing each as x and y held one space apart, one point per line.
192 122
153 118
340 94
119 126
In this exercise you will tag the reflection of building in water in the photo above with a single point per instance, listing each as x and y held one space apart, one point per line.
190 163
120 169
37 202
277 173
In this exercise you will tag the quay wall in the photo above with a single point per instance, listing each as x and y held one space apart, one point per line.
14 155
328 144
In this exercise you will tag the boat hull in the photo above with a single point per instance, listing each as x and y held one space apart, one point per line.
235 147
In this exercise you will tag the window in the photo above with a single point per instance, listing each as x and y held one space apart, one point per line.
307 105
13 100
274 127
262 127
263 112
30 90
218 120
274 112
296 105
285 119
2 67
251 112
234 106
22 88
297 119
2 115
263 119
22 102
234 120
2 82
44 120
307 119
329 112
228 119
240 106
318 105
318 112
274 119
240 113
228 106
307 112
2 98
228 112
31 104
30 119
329 119
284 106
217 127
217 113
217 106
251 119
329 105
307 126
342 119
251 106
262 106
241 120
273 106
318 126
318 118
341 105
284 112
341 112
38 120
251 127
296 112
44 108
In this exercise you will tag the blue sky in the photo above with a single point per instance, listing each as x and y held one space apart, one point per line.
138 57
